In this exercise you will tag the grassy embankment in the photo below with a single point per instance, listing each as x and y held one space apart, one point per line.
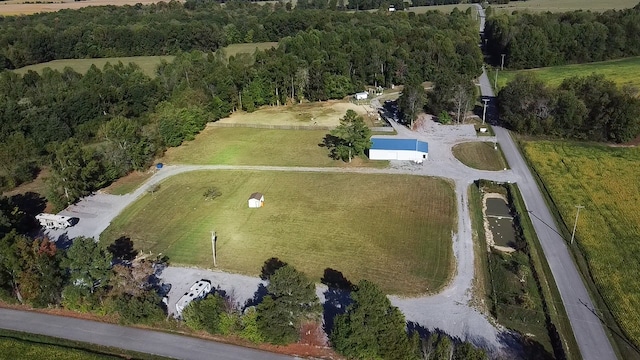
392 229
605 181
480 155
532 306
17 345
148 64
622 71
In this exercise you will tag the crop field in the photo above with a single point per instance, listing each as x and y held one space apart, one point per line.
249 146
27 7
623 72
480 155
605 181
148 64
391 229
565 5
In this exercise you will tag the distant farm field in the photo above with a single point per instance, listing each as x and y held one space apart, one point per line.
28 7
480 155
565 5
148 64
392 229
249 146
622 72
606 182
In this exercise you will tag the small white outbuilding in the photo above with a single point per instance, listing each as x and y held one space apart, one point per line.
362 95
256 200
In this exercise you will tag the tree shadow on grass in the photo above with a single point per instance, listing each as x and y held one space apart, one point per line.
270 267
331 142
337 297
122 249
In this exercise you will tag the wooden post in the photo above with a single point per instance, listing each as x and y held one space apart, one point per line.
213 247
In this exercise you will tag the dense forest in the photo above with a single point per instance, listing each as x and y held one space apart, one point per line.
548 39
583 108
45 119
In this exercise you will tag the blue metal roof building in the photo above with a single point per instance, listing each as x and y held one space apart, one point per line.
398 149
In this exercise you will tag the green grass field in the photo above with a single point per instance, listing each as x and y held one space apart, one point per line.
480 155
248 146
605 181
564 5
392 229
148 64
16 345
622 72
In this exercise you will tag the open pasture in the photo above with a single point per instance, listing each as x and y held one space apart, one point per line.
391 229
622 71
564 5
605 181
28 7
148 64
249 146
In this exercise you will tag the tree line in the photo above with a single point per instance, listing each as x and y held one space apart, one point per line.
582 108
548 39
48 119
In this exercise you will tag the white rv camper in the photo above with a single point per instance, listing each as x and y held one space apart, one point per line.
52 221
197 291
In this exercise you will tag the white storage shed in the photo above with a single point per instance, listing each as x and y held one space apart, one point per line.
256 200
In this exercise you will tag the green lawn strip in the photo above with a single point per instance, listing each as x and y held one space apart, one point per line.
148 64
480 155
554 306
482 281
392 229
18 345
249 146
621 71
575 192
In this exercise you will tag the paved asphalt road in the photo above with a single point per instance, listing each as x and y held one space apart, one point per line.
144 341
587 328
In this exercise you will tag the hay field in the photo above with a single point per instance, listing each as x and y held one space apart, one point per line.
148 64
622 71
392 229
565 5
605 181
480 155
28 7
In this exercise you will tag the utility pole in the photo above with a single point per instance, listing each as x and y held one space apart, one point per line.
484 109
502 62
575 224
213 247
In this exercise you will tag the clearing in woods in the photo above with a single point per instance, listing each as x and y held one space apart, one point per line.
148 64
605 181
392 229
480 155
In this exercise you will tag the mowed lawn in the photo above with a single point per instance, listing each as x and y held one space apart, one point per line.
249 146
391 229
480 155
623 72
606 181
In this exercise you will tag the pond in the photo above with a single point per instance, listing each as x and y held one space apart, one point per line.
497 207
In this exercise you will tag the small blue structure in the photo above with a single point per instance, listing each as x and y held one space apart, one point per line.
389 148
159 166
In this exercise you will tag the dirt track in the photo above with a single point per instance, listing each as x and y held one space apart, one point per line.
19 7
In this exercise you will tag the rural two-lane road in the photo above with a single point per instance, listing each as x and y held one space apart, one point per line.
143 341
587 327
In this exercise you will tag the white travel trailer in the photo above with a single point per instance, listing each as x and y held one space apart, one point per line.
52 221
197 291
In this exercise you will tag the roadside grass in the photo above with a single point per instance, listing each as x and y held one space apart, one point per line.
128 183
308 114
148 64
481 281
19 345
480 155
604 180
392 229
249 146
624 72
